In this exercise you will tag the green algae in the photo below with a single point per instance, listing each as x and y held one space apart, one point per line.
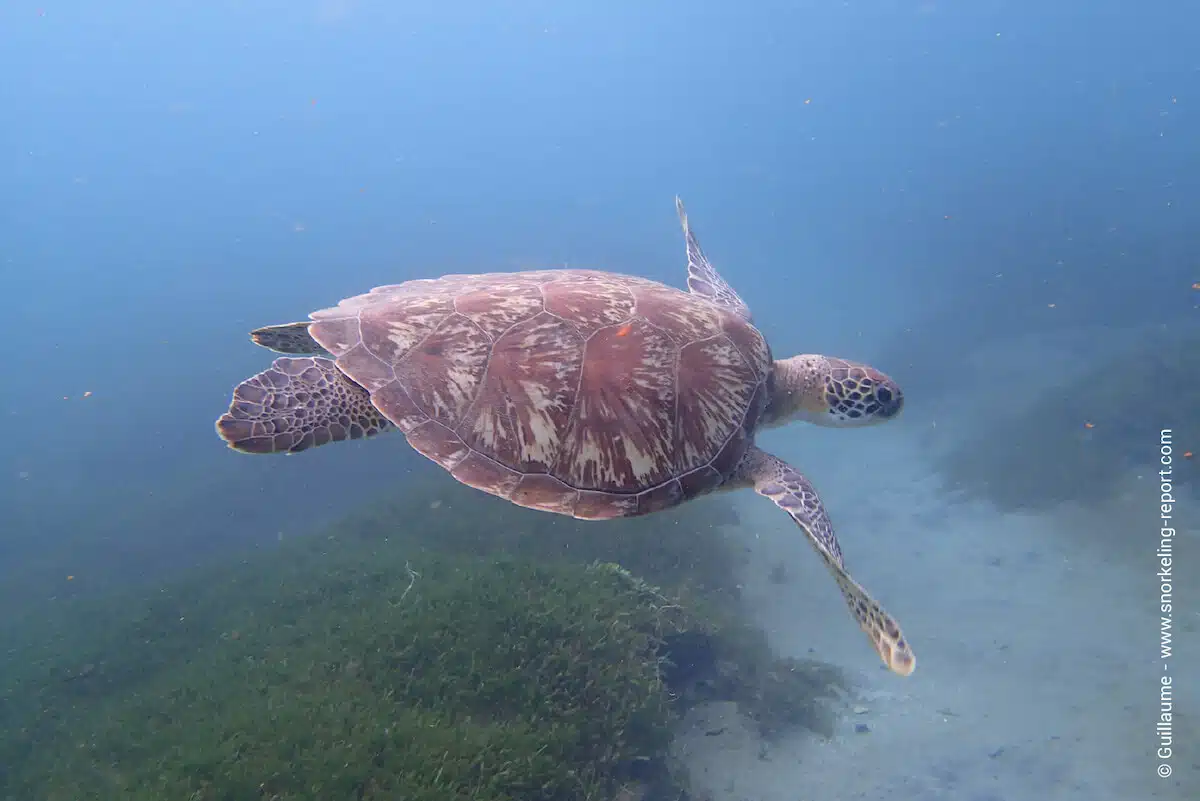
436 645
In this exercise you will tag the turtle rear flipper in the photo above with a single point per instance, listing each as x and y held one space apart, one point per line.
291 338
295 405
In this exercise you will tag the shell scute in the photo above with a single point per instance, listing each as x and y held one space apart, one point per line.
622 433
442 445
588 303
523 409
398 406
496 308
393 329
480 472
683 322
545 492
443 373
716 385
604 505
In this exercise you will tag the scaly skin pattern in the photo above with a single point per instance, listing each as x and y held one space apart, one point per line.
774 478
832 392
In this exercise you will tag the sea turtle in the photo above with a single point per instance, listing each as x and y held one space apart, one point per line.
578 392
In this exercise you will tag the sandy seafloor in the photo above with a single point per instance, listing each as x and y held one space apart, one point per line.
1037 639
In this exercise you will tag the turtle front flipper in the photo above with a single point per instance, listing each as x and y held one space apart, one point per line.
793 493
295 405
291 338
703 278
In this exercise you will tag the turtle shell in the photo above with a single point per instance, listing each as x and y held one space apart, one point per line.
578 392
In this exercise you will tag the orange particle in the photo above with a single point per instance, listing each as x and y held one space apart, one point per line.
1187 454
624 330
70 578
87 394
1196 285
1089 425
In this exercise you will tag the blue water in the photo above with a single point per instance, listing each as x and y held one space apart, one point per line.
903 181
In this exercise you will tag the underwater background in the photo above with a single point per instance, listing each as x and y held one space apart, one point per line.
995 203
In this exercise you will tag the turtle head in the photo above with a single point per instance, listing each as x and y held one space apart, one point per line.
831 392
